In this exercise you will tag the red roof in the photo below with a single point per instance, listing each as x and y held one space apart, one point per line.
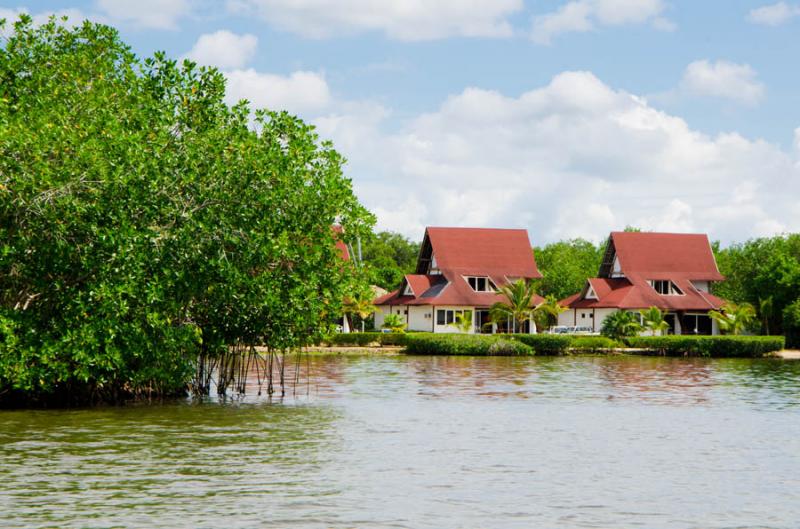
498 254
646 256
663 255
483 251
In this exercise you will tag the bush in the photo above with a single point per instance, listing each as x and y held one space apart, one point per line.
465 344
791 325
364 339
621 324
709 346
593 344
543 344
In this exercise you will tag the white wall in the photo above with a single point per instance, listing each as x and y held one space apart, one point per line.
419 318
380 315
583 318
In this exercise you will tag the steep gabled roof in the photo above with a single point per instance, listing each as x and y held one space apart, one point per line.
665 255
645 256
625 294
498 254
480 251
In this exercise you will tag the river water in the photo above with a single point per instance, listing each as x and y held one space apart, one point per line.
429 442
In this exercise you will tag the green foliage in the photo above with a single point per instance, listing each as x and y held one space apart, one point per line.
464 321
621 324
364 339
565 266
733 318
359 307
394 322
544 344
143 221
791 325
709 346
761 268
592 344
388 257
653 319
518 306
546 314
465 344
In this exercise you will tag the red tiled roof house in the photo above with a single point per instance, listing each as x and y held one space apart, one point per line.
671 271
459 269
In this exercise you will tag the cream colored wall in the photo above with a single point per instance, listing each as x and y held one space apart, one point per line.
380 315
583 318
419 318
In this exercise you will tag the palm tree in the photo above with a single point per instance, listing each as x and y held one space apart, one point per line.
621 324
734 318
546 314
464 321
360 306
653 319
518 306
765 309
394 323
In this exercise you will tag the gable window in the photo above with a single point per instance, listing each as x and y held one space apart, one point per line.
665 287
480 284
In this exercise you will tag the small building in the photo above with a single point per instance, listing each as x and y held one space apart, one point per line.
458 270
671 271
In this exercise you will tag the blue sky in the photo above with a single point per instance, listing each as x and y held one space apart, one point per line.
566 117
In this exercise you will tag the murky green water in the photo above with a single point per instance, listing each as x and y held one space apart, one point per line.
429 442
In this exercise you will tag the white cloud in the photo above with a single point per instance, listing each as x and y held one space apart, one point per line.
585 15
399 19
224 49
75 17
152 14
300 92
773 14
574 158
728 80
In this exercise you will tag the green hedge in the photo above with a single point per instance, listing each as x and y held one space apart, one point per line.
709 346
364 339
465 344
543 344
592 344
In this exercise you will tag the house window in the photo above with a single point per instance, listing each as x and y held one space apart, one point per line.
666 287
447 317
480 284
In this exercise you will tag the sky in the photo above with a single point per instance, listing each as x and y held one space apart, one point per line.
570 118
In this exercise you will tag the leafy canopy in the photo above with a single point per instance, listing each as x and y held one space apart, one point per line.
143 221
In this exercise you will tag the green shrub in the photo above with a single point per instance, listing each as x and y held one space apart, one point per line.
593 344
543 344
621 324
364 339
791 325
709 346
465 344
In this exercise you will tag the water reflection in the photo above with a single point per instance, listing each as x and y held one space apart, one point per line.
428 442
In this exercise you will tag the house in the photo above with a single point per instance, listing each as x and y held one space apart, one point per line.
458 270
671 271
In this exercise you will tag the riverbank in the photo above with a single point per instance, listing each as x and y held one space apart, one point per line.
788 354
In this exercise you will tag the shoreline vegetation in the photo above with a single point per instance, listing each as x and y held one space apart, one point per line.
156 241
724 346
